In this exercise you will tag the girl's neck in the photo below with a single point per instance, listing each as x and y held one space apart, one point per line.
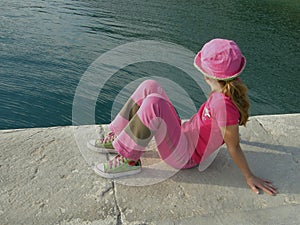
215 86
216 90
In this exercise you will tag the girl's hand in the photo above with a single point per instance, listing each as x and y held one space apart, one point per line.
231 138
257 183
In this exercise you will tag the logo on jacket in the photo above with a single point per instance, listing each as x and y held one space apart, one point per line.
206 113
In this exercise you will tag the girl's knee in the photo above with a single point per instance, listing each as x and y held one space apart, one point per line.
150 82
157 99
151 85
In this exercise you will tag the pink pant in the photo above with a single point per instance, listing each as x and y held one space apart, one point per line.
147 113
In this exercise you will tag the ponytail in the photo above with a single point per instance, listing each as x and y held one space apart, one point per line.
237 92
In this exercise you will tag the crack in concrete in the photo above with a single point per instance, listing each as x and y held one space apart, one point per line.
278 143
119 213
30 136
36 170
262 126
106 191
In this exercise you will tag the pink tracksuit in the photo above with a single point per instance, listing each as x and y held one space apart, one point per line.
149 112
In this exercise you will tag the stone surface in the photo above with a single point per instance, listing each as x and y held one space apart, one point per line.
46 177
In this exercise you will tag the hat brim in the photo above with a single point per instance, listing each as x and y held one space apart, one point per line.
198 65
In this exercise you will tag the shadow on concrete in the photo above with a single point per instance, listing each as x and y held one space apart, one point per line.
279 148
274 162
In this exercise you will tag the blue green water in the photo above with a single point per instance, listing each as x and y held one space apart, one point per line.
46 46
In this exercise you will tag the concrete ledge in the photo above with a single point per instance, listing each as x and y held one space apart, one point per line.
46 178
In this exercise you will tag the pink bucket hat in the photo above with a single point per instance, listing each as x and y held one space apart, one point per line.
220 59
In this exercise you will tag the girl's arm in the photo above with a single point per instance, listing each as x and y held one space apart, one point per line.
231 138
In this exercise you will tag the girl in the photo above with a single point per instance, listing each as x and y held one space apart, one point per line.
149 112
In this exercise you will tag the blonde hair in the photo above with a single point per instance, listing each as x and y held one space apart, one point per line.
237 92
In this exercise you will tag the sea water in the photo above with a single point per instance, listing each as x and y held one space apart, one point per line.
47 46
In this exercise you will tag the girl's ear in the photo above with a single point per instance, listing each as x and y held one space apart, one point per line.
206 78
